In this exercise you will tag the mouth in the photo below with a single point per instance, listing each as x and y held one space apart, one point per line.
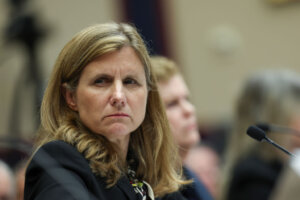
118 115
192 127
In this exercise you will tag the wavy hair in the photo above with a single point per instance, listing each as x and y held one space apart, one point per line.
155 151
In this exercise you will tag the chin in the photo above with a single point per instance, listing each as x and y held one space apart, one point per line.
188 144
192 142
121 129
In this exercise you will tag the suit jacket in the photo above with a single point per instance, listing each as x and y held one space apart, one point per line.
196 190
253 178
58 171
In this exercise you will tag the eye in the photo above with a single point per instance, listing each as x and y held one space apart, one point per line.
130 81
172 104
102 81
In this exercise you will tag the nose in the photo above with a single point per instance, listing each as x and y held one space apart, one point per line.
118 98
188 108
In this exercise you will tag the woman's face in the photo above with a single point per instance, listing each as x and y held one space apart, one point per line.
111 95
180 111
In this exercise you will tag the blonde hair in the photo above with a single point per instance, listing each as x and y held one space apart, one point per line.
270 96
158 162
163 68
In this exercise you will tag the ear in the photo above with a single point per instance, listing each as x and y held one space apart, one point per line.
69 96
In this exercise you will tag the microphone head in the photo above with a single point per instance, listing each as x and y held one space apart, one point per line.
263 126
256 133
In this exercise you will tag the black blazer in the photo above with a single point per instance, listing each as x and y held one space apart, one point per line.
253 178
58 171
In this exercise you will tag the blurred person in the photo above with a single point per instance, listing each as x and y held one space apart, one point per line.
205 162
251 168
104 133
287 186
20 179
7 184
182 118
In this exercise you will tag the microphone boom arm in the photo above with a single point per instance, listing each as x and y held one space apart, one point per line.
278 146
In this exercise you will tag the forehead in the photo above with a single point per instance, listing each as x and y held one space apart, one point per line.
124 60
175 87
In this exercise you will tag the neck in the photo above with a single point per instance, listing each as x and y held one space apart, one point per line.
183 153
121 147
123 154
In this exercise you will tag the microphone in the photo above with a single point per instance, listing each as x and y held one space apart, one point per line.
275 128
260 135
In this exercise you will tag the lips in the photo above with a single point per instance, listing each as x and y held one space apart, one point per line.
191 127
118 115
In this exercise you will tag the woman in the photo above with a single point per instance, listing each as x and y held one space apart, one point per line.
182 118
104 133
252 169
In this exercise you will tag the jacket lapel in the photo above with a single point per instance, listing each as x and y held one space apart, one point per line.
124 184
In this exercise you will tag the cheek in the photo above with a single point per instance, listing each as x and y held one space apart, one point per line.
88 104
141 111
139 103
175 125
174 120
84 103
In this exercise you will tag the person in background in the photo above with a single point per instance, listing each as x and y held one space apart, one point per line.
287 186
104 133
182 118
205 162
7 184
251 168
20 178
